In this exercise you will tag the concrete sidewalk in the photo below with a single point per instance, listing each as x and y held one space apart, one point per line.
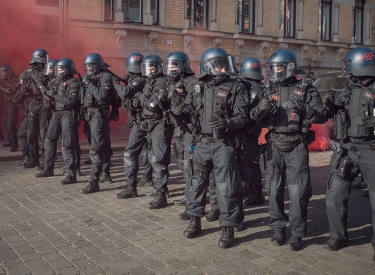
47 228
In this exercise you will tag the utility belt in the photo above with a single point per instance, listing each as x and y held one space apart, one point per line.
286 142
34 100
147 125
99 112
356 144
209 138
65 112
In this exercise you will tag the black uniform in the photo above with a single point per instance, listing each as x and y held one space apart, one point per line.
287 152
8 88
37 114
64 122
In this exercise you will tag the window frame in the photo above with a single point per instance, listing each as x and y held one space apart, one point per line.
112 11
240 14
329 28
294 19
206 14
362 9
140 13
157 6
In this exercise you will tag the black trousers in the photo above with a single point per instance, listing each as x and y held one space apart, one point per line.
338 191
250 158
10 120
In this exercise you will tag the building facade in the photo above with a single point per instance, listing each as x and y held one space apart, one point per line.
320 32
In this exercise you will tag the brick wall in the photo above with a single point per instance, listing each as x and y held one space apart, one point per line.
175 10
310 19
85 9
226 15
271 11
345 25
52 3
177 43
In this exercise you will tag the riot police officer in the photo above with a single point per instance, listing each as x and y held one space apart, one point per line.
97 100
137 138
219 109
180 85
251 72
353 112
37 114
158 126
9 86
64 122
290 106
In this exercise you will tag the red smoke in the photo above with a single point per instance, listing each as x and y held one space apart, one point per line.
322 136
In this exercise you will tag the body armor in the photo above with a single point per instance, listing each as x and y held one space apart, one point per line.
102 80
67 88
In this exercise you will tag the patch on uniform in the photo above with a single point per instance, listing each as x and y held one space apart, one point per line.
221 94
298 93
369 96
135 83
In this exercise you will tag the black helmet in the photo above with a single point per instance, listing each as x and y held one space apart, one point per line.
152 66
216 61
281 65
133 63
5 71
39 56
65 67
251 68
49 69
177 63
93 63
359 62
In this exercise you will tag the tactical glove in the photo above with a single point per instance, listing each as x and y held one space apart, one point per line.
263 105
218 123
86 80
115 114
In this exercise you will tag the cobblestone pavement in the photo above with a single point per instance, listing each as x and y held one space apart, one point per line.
47 228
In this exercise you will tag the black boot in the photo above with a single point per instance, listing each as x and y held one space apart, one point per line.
40 167
44 174
153 193
159 201
26 159
69 180
184 216
212 216
278 237
105 178
145 182
13 148
227 237
294 243
335 244
7 144
194 227
31 164
129 192
256 198
92 186
181 202
373 258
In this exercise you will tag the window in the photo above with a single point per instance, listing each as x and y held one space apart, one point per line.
358 22
246 15
108 10
132 10
289 18
197 13
155 11
326 20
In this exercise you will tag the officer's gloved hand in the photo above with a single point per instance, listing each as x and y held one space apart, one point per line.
177 109
129 122
368 121
218 123
86 80
116 80
115 114
329 97
263 105
163 101
295 105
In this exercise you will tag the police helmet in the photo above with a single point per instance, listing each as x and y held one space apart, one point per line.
281 65
93 63
251 68
234 64
216 61
65 67
5 71
152 66
359 62
133 63
177 63
49 69
39 56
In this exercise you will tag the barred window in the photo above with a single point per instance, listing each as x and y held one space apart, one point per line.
246 15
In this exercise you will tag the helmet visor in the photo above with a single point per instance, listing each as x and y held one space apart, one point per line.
173 67
42 58
280 71
91 68
149 68
219 65
61 70
49 69
345 67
